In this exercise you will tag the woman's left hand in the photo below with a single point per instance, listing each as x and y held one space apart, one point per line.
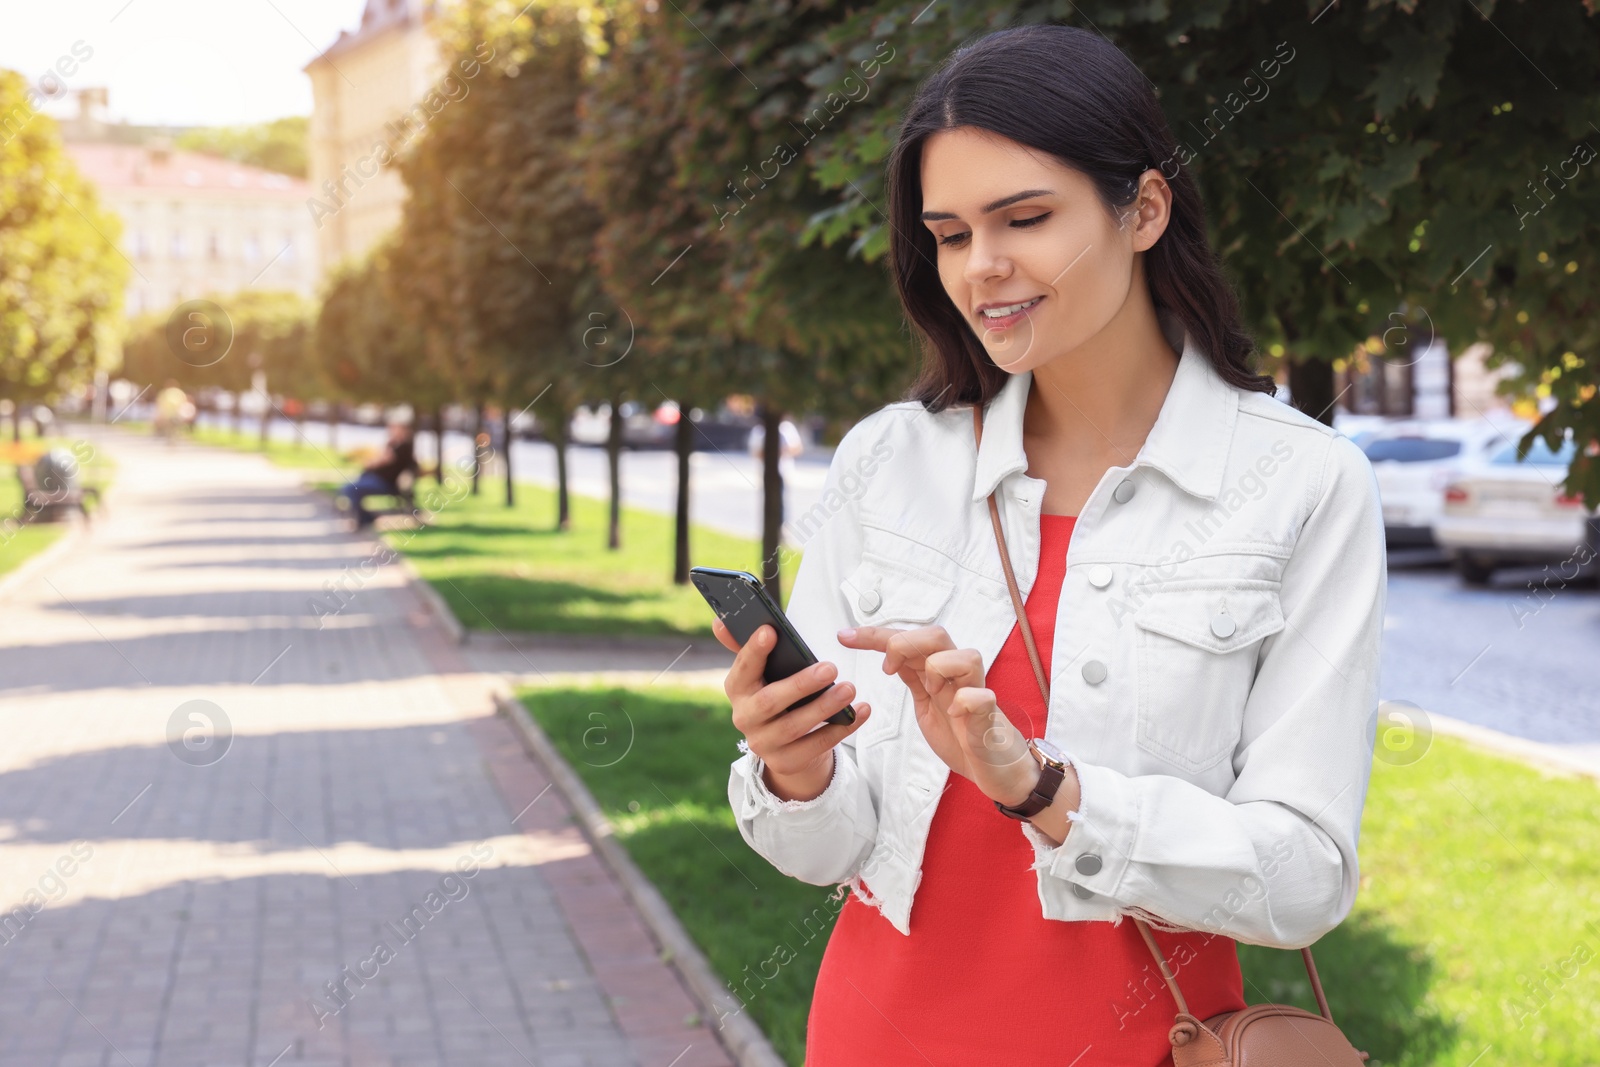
958 716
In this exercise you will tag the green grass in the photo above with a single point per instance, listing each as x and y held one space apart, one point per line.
1478 877
337 466
29 539
509 568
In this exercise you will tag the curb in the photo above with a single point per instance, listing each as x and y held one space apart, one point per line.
1535 753
724 1015
431 598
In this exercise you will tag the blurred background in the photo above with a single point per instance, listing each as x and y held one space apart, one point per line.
614 275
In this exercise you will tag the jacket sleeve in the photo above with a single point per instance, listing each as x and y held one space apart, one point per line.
1274 861
824 840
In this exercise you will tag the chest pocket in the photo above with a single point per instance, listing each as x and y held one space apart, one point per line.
887 592
1197 654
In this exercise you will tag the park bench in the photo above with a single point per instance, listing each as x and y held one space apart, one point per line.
51 505
402 511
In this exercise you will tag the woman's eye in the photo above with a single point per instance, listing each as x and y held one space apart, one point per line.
954 239
1033 221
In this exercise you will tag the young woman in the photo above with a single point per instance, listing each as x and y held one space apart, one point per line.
1202 566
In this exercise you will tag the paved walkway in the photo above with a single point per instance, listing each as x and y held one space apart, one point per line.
240 831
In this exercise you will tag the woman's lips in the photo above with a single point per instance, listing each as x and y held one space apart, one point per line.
1011 314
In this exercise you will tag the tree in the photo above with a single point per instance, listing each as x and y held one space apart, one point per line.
718 87
497 211
281 145
223 343
61 276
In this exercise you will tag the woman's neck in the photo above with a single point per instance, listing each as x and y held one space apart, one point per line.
1101 399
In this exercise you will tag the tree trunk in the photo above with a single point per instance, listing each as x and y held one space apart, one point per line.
683 445
477 452
556 430
614 470
333 428
238 414
1311 387
266 419
771 502
505 437
16 424
438 445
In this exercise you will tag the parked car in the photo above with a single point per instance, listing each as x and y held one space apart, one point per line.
1503 512
1359 428
646 428
1415 459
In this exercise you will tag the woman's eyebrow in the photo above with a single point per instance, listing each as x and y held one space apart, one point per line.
994 205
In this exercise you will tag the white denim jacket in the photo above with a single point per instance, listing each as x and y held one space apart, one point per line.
1214 673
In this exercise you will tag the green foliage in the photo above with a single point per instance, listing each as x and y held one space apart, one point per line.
281 145
366 347
61 276
494 247
697 125
271 332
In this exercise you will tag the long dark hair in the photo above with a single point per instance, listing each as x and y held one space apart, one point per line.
1075 95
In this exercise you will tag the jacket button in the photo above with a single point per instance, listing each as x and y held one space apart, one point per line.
1094 672
1088 864
1099 576
1082 893
870 601
1124 491
1222 624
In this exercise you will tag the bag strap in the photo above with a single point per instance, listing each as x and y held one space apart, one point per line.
1044 689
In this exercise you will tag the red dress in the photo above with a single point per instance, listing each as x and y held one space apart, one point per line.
983 977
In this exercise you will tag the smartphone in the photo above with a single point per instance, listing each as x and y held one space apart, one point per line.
744 607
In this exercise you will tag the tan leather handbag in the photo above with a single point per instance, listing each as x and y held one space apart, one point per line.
1262 1035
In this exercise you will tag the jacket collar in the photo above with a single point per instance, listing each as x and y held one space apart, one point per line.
1189 442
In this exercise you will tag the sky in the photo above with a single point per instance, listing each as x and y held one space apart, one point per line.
177 62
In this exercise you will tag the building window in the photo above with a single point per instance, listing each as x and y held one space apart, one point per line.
141 245
288 249
178 249
252 248
214 246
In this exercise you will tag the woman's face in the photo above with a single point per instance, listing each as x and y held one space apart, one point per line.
1026 251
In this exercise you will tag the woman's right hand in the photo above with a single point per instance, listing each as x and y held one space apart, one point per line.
797 755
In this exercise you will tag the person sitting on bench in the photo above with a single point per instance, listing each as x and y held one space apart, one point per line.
381 477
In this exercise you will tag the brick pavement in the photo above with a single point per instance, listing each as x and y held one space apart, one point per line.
329 874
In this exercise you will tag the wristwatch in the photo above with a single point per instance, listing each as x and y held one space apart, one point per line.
1052 772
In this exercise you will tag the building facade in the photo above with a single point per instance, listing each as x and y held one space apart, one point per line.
368 101
195 225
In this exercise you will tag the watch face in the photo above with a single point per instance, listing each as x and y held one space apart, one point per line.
1050 752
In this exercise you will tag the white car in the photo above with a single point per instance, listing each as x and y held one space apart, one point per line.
1415 459
1503 513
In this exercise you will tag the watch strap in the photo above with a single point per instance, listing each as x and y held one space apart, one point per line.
1051 774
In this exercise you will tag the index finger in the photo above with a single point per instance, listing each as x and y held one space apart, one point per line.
874 638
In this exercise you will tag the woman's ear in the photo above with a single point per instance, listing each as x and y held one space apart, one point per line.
1150 211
